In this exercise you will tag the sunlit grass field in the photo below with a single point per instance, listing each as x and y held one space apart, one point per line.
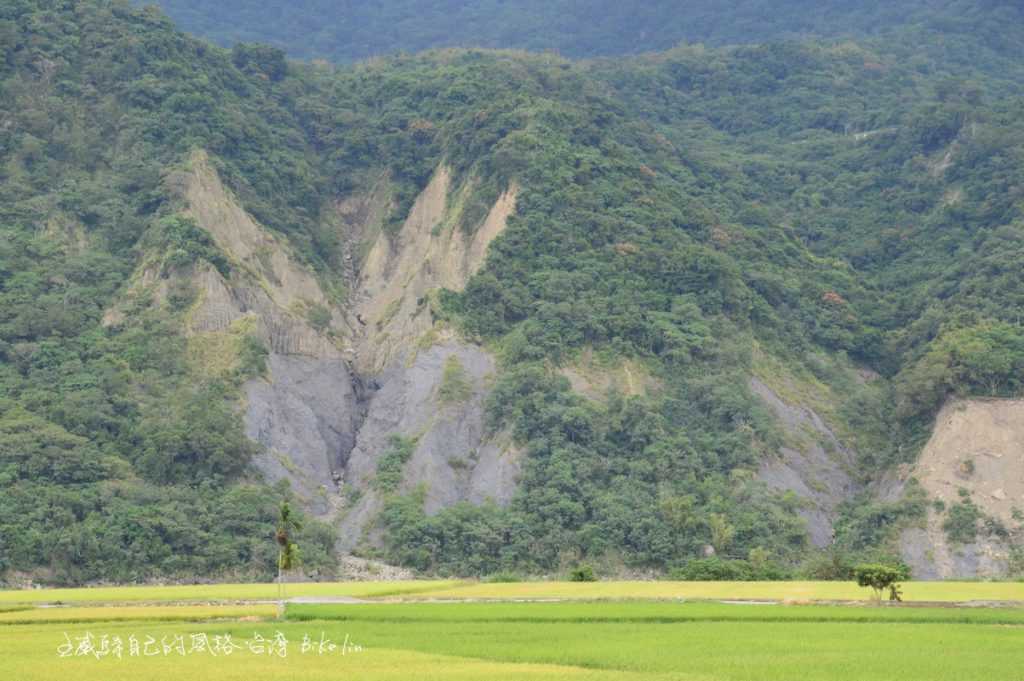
696 641
655 612
539 590
220 592
780 591
156 613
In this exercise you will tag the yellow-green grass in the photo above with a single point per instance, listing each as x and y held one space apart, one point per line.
730 650
461 590
629 641
162 613
655 612
29 653
14 608
775 591
220 592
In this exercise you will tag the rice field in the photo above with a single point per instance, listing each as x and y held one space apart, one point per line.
157 613
937 592
600 631
220 592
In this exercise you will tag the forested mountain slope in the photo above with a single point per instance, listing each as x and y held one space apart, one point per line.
483 310
347 31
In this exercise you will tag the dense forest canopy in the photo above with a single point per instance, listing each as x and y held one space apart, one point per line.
822 206
347 31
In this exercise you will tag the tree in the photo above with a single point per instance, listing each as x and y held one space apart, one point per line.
881 577
4 562
288 551
721 532
758 558
260 59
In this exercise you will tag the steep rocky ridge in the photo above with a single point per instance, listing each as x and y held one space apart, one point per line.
399 344
334 396
269 282
306 414
305 411
432 250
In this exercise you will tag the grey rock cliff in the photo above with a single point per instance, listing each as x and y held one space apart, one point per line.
818 476
305 416
454 459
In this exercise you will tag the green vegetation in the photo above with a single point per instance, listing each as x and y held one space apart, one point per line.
215 593
288 555
962 521
880 578
986 358
583 573
319 317
513 588
798 591
716 569
125 613
116 461
650 611
834 206
318 28
455 386
518 641
389 467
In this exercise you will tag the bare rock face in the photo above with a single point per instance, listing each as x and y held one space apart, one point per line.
305 412
817 470
406 358
377 367
267 282
453 458
238 235
977 446
432 250
305 415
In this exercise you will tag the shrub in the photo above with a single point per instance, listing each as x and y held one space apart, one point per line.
718 570
319 317
252 357
833 566
961 523
582 573
455 385
389 467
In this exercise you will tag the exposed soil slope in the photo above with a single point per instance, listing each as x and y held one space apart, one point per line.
978 446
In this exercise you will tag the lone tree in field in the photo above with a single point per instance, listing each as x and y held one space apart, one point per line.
881 577
288 551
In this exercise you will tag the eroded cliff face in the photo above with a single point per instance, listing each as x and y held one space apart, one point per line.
813 463
406 354
306 414
335 394
976 446
433 250
268 282
453 457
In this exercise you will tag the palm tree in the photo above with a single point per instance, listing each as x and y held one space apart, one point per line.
288 551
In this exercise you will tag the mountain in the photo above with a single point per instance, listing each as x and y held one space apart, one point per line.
348 31
479 310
